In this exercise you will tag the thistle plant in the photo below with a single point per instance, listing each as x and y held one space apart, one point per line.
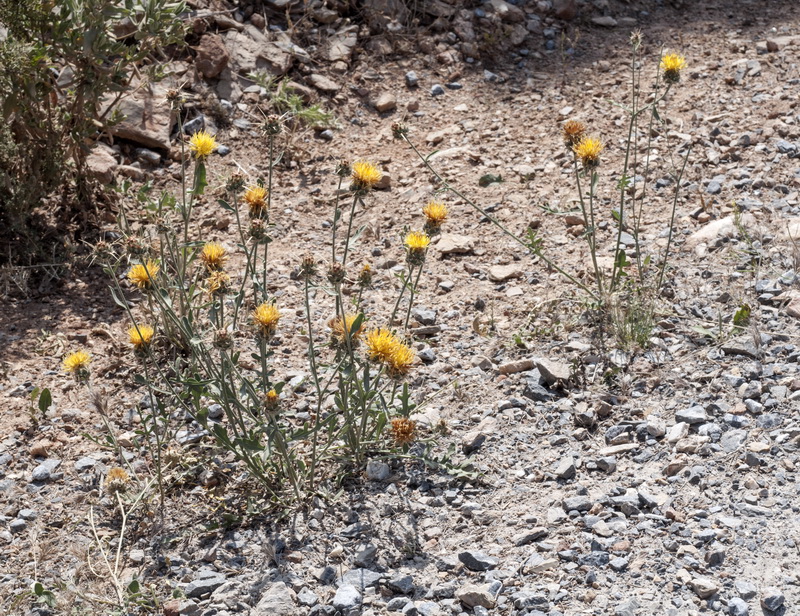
202 314
609 291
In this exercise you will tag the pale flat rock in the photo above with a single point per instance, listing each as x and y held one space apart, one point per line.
473 439
520 365
476 594
452 243
723 227
553 372
340 46
102 163
605 20
501 273
277 601
148 117
615 449
438 136
386 102
704 587
323 84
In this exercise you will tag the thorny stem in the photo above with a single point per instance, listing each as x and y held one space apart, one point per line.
349 229
672 220
498 224
588 221
336 214
411 296
406 280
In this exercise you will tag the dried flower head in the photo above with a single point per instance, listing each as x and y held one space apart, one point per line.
272 125
672 64
399 130
141 336
235 182
143 275
223 339
435 214
573 131
336 273
588 151
256 199
217 283
213 255
342 328
308 266
266 317
365 276
636 39
365 175
343 169
403 430
77 364
117 480
136 245
258 229
416 243
202 144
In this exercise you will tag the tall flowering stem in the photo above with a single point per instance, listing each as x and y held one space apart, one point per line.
526 244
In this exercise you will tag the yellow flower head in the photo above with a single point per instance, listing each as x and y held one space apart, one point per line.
202 144
217 282
266 317
365 276
365 175
381 343
416 243
141 336
77 363
400 361
417 240
117 480
143 275
272 401
256 199
403 430
672 63
213 256
588 151
340 328
573 131
435 212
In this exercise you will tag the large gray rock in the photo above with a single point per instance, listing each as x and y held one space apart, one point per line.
148 117
347 598
278 600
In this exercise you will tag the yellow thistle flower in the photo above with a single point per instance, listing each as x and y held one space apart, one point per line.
272 400
573 131
403 430
399 362
117 480
365 175
365 276
143 275
202 144
672 64
217 282
341 328
213 255
381 344
435 212
588 151
140 336
417 240
266 317
256 199
77 363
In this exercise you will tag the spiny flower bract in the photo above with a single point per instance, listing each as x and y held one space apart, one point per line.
202 144
117 480
588 151
365 175
213 255
400 361
140 336
217 282
341 328
142 275
572 132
